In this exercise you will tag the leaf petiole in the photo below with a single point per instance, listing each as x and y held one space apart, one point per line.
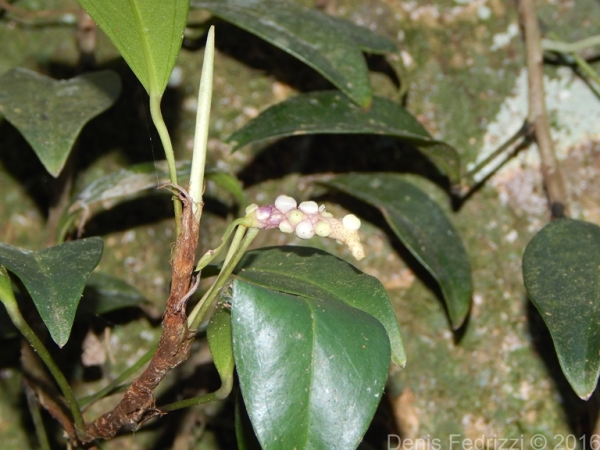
241 241
10 303
165 139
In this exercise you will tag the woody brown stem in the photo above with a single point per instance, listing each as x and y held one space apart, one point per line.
138 403
553 179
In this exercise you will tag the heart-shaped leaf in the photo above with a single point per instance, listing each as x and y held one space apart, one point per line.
307 34
329 112
423 228
314 273
55 278
147 33
311 371
50 114
561 273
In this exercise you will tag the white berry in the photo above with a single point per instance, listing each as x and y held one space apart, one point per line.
285 227
285 203
309 207
305 230
295 216
351 222
322 228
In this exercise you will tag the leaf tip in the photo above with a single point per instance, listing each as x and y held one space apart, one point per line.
584 392
399 360
59 339
366 103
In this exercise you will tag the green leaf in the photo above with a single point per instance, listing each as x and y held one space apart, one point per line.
423 228
50 113
128 183
229 182
147 33
105 293
329 112
367 40
55 278
244 433
311 371
314 273
307 34
220 343
561 270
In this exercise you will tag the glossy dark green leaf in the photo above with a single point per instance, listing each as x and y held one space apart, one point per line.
307 34
220 342
133 181
330 112
55 278
367 40
147 33
423 228
244 433
311 371
315 274
50 113
561 270
105 293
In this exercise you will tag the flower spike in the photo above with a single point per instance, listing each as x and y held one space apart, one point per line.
306 220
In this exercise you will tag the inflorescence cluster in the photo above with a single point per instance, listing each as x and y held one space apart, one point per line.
306 220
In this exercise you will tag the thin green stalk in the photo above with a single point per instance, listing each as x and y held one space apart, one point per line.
202 123
220 394
570 52
236 251
212 254
63 229
38 422
470 176
236 244
570 47
586 69
165 139
86 401
10 303
193 318
155 91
